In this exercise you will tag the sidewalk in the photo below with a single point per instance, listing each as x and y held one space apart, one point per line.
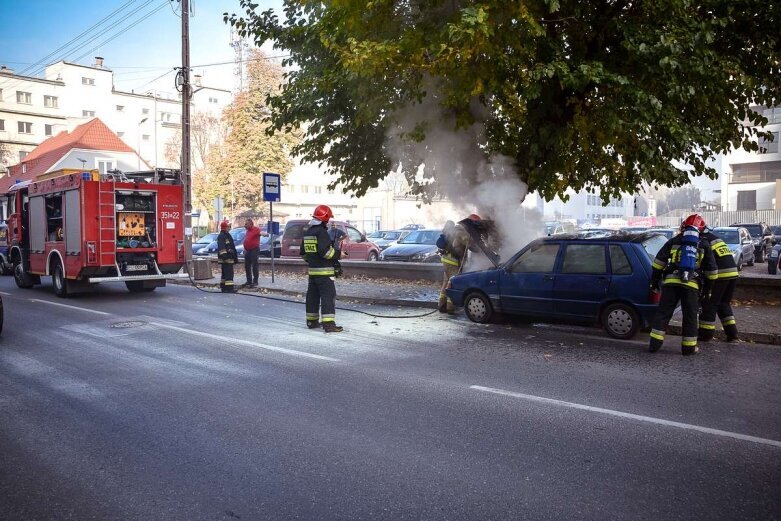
759 323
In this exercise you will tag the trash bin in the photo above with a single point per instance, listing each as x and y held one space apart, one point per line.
202 269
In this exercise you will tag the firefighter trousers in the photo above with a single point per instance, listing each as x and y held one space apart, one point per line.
321 296
689 299
719 302
445 304
226 278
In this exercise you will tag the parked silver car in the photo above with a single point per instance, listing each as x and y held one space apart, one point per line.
739 242
390 238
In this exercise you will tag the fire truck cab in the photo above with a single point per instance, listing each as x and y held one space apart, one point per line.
82 228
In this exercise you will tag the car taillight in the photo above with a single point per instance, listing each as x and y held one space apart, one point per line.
180 250
654 296
92 253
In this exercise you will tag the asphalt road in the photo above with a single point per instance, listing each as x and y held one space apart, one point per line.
182 405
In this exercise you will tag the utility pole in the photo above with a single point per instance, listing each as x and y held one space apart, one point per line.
186 94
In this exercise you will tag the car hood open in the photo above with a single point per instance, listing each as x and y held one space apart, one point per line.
485 238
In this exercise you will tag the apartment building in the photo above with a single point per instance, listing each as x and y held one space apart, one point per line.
33 109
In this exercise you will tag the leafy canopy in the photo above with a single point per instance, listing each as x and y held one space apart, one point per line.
579 94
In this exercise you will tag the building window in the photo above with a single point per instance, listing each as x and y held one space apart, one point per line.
318 189
87 81
24 127
50 102
145 111
103 165
769 147
47 130
120 108
120 134
304 189
213 100
24 97
22 154
2 124
88 113
145 137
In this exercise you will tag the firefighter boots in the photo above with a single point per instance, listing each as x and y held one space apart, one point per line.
312 324
689 350
330 327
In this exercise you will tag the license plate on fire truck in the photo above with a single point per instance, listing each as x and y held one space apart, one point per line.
137 267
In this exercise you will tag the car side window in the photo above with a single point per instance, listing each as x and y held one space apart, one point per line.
355 235
585 259
540 258
619 263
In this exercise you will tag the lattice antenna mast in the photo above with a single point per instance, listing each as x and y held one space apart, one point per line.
240 48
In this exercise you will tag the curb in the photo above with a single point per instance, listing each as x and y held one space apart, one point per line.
746 336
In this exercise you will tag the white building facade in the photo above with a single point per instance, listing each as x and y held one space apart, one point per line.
34 109
587 207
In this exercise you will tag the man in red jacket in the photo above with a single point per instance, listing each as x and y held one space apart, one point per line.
251 253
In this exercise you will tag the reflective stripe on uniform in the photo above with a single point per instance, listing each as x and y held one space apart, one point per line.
676 280
711 275
329 318
448 259
312 316
659 265
657 334
310 244
707 325
330 253
220 252
728 321
318 272
689 341
729 273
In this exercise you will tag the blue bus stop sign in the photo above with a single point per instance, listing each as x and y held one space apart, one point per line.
272 187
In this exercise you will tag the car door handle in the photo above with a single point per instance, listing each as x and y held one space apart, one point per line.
547 277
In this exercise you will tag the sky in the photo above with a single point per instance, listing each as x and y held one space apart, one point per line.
30 30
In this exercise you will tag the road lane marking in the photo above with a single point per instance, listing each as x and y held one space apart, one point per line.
620 414
249 343
70 307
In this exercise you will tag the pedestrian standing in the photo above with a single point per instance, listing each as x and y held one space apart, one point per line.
251 253
227 256
320 256
720 298
453 244
684 265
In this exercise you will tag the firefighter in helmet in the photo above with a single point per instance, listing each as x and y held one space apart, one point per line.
685 266
453 243
720 297
318 251
227 257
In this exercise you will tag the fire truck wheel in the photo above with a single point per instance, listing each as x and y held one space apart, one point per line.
21 277
59 281
137 286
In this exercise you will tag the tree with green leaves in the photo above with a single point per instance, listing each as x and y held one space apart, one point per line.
577 94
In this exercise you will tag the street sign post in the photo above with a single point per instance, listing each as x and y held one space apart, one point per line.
272 192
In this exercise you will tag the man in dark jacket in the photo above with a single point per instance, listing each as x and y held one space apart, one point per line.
720 298
680 284
320 255
227 257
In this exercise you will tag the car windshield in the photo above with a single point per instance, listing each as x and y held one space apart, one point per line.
377 235
728 236
421 237
391 236
207 239
652 245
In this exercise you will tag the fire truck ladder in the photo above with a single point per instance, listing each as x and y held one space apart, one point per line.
107 208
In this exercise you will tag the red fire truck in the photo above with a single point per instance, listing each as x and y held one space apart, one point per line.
83 228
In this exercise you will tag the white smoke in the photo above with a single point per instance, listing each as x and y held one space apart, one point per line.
455 163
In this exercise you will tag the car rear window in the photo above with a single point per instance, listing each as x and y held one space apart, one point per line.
584 258
619 263
539 258
294 231
652 245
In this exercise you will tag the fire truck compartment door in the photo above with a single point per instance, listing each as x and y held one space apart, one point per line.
37 224
72 222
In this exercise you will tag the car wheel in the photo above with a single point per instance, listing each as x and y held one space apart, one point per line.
620 321
137 286
21 277
59 281
478 308
373 256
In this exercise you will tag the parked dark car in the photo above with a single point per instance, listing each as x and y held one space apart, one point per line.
740 244
669 233
238 238
571 278
265 251
776 235
418 246
761 237
204 242
354 247
390 238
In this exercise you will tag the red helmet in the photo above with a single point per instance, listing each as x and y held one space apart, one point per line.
695 221
224 225
474 217
323 213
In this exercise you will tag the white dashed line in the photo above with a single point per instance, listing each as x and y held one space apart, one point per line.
627 415
70 307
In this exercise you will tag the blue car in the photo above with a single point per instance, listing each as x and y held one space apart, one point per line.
569 277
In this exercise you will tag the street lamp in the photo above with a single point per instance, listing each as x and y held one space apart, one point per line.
139 142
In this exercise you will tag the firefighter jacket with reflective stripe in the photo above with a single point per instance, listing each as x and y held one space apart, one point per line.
318 251
725 262
226 249
665 265
457 242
